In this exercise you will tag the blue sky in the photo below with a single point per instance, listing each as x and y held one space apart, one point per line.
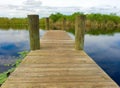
20 8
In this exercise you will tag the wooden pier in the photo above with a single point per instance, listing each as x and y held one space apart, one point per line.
58 65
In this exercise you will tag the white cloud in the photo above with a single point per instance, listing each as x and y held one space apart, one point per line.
79 3
33 3
46 7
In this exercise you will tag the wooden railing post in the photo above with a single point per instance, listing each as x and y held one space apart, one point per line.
33 22
47 23
79 32
64 24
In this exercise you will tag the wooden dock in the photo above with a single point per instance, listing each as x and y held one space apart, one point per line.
58 65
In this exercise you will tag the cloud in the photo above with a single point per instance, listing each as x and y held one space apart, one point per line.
27 7
38 7
32 3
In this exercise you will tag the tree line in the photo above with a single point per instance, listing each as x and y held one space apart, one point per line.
94 21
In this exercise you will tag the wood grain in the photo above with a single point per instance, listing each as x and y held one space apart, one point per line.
58 65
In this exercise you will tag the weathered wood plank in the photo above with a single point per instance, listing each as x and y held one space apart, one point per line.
58 65
63 85
56 35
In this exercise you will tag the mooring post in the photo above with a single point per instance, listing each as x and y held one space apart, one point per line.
33 22
63 24
79 32
47 23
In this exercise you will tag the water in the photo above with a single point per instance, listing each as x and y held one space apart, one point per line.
103 48
105 51
12 42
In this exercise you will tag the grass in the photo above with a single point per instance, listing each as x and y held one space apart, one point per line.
5 75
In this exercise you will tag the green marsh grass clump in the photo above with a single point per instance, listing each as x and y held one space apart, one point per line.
5 75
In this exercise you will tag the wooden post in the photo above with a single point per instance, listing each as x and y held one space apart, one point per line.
64 24
79 32
47 23
33 22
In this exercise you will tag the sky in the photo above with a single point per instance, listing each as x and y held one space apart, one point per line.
21 8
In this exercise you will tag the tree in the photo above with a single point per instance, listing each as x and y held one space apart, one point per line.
56 17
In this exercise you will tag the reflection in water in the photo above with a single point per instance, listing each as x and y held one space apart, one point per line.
104 49
12 42
4 68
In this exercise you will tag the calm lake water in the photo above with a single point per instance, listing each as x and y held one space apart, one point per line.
12 42
104 49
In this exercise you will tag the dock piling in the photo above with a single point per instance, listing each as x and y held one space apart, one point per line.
79 32
64 24
33 26
47 23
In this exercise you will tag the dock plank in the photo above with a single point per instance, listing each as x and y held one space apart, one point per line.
58 65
